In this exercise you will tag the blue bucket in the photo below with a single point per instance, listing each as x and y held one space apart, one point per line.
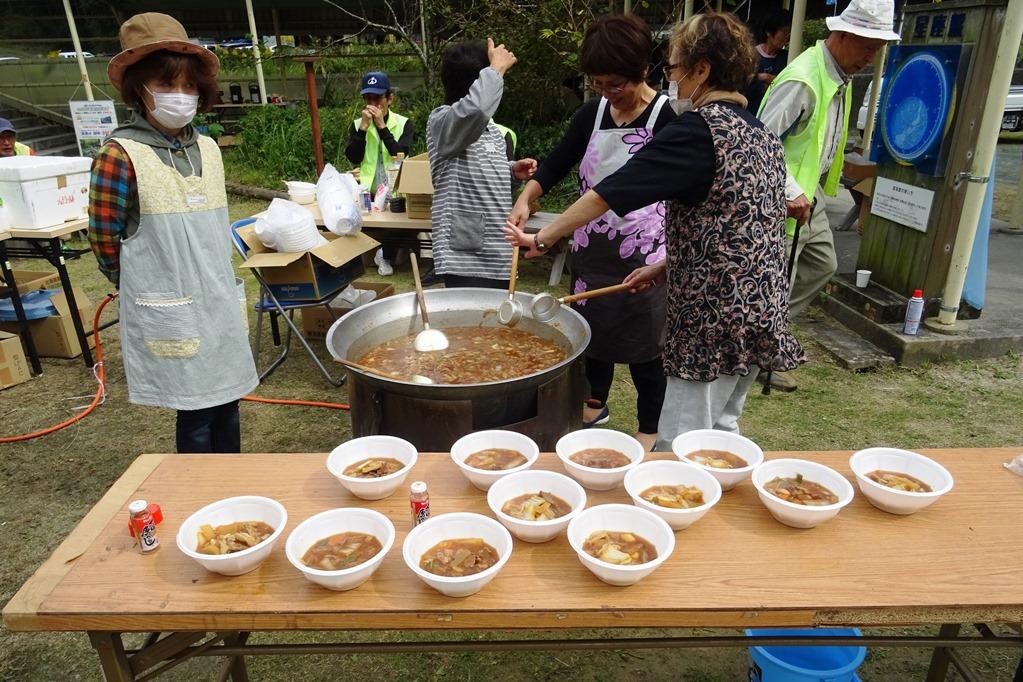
805 663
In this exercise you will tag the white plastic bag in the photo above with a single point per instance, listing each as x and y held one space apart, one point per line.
337 195
288 228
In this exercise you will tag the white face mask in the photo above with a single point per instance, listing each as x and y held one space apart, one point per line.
173 109
683 105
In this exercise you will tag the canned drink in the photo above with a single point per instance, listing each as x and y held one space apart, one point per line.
419 500
144 526
367 201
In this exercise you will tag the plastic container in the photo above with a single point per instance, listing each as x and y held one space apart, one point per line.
36 304
40 191
805 663
914 311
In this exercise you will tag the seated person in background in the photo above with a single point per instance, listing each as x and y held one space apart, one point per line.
469 166
379 134
9 145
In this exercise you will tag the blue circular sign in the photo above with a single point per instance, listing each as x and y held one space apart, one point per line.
916 109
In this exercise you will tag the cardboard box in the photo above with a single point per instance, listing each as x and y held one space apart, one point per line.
856 168
28 280
40 191
866 188
415 183
13 368
310 275
317 322
55 336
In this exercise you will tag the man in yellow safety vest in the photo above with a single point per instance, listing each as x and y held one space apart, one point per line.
9 145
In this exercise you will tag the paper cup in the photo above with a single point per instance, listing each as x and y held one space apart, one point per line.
862 278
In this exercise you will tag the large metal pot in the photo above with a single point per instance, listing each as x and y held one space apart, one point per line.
544 405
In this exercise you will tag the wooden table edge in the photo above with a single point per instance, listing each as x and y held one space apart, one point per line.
22 611
50 231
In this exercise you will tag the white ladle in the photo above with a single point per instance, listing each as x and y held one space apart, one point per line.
428 340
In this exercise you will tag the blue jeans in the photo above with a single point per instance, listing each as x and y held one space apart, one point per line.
212 429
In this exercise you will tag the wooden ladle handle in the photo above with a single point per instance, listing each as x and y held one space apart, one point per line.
364 368
514 270
596 292
419 288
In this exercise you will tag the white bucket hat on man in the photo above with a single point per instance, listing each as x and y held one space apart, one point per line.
868 19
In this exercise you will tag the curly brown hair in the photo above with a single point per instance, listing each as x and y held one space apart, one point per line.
721 40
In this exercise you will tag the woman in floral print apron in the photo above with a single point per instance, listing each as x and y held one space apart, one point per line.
603 135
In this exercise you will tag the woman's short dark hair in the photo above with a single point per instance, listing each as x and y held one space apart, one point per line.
772 22
618 44
164 65
722 41
461 67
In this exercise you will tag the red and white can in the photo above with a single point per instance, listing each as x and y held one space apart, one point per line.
419 500
143 526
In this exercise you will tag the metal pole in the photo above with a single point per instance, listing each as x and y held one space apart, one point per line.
257 48
987 140
796 37
78 50
627 7
688 11
875 96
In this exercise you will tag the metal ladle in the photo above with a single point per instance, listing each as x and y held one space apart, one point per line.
545 306
428 340
510 311
416 378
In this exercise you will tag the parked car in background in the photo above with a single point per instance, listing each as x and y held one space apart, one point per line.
1012 116
6 60
71 54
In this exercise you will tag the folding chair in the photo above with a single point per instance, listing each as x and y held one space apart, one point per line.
270 305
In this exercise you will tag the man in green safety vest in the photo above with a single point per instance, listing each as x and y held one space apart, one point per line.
807 106
378 135
511 140
9 145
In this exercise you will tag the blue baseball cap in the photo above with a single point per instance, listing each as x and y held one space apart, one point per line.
375 83
5 126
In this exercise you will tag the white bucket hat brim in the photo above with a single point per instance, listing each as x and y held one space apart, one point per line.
874 32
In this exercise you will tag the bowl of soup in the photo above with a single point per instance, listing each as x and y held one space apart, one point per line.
372 467
487 456
899 481
599 458
801 493
620 543
340 548
728 457
536 505
234 535
457 553
678 493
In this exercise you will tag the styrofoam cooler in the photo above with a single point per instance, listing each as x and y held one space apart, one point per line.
40 191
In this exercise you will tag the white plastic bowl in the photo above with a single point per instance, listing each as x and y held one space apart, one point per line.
332 522
584 439
525 482
358 449
904 461
454 526
484 440
673 472
801 515
622 518
232 510
301 192
713 439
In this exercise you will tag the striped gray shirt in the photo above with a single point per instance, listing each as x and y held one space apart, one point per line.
471 183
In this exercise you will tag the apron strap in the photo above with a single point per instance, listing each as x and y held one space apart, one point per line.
661 99
600 114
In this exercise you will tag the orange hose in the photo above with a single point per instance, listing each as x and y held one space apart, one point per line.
101 375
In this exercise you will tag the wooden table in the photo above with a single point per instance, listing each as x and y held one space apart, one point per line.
45 243
960 561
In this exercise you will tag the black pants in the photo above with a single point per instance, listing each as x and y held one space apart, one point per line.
213 429
650 383
460 281
390 252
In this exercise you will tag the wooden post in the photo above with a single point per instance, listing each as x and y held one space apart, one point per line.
314 109
796 37
280 62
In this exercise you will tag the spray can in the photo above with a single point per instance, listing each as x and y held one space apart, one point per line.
419 500
914 311
144 525
367 201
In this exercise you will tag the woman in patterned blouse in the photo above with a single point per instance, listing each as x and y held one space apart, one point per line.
722 175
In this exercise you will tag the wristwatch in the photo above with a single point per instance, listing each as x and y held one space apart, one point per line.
537 244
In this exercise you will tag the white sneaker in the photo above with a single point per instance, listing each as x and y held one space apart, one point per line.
384 267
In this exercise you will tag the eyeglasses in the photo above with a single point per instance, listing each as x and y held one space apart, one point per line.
609 89
669 68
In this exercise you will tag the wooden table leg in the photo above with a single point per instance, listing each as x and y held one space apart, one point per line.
234 667
938 670
112 659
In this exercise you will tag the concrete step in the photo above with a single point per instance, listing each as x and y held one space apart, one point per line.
36 130
874 302
850 349
63 150
53 141
19 121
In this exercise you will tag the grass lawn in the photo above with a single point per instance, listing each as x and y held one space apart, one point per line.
48 484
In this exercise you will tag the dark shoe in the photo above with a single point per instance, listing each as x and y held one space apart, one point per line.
780 381
602 418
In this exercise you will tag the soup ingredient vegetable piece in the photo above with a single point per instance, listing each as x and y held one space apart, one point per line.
495 459
674 496
621 548
798 490
899 481
343 550
539 506
231 537
460 557
374 467
600 458
717 459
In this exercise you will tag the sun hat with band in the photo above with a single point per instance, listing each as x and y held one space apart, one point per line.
151 32
868 19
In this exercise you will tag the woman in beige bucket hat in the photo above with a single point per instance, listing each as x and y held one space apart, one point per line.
158 224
